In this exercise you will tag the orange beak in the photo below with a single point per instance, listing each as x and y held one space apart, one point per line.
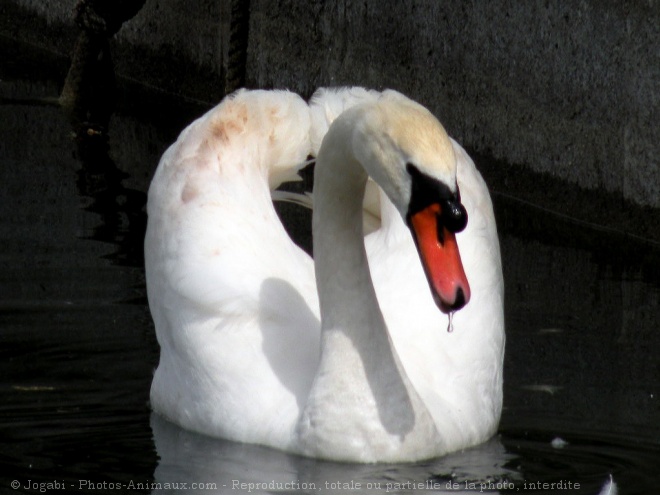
441 259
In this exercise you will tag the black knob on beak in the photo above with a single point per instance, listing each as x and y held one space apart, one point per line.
454 216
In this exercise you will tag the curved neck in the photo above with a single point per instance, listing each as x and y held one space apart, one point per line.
346 294
360 386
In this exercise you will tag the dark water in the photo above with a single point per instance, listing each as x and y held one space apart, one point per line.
78 347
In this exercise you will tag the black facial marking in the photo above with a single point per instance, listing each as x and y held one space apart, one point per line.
454 215
427 191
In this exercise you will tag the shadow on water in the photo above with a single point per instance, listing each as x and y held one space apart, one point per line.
77 345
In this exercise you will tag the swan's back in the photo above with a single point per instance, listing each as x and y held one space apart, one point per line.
216 256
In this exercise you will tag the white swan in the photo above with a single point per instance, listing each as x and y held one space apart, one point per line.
235 301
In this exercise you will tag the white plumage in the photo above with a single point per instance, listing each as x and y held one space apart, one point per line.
235 302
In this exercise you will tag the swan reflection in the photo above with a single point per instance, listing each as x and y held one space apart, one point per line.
194 463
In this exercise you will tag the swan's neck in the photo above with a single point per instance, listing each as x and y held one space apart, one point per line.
346 294
361 398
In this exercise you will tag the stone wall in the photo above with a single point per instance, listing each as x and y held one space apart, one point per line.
567 88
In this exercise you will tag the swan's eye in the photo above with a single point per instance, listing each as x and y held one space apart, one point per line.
454 215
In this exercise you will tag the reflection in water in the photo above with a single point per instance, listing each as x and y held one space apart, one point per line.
89 89
121 209
187 457
515 461
88 97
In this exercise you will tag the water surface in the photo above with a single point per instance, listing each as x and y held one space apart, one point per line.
78 346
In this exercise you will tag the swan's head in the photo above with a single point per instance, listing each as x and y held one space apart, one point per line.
408 153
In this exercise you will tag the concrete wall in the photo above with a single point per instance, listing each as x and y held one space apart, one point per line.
568 88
